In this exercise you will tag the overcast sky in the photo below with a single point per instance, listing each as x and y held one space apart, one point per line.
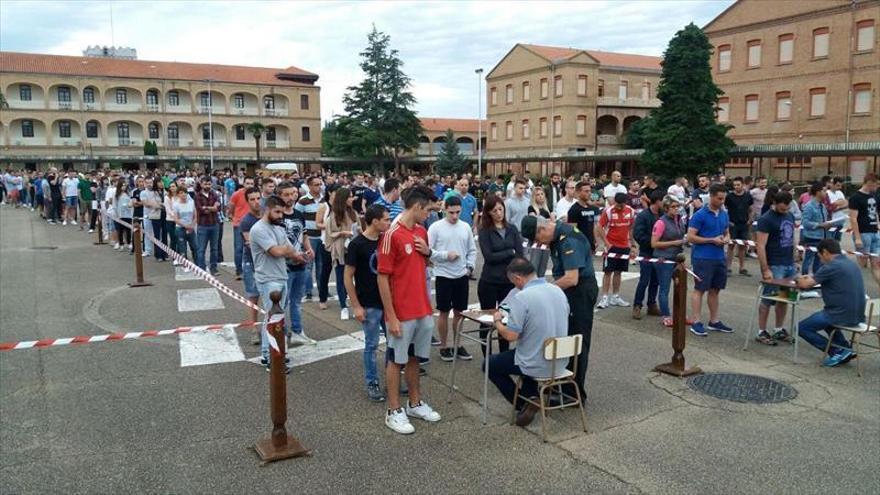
441 43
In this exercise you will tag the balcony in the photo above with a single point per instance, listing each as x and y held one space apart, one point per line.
68 142
173 143
63 105
217 143
611 101
204 109
607 139
245 111
275 112
152 107
271 144
26 104
91 106
123 107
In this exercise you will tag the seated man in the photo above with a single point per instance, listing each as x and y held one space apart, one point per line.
843 292
538 311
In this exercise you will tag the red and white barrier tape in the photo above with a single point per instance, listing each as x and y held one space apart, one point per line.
86 339
741 242
832 229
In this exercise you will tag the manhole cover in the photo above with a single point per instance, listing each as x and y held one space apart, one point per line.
742 388
44 248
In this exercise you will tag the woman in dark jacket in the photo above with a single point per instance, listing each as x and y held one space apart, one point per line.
500 242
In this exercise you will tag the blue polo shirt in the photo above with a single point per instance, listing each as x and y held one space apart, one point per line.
468 206
709 224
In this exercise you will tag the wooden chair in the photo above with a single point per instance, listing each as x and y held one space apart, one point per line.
856 332
554 349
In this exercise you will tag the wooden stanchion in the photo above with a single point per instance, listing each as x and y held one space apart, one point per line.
279 445
679 320
100 223
138 256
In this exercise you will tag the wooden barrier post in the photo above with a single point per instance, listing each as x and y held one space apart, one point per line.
100 223
138 256
679 320
279 445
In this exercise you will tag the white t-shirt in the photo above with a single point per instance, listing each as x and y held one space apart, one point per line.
70 186
839 216
562 206
677 191
611 190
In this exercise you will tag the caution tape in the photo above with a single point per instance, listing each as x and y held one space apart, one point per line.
741 242
111 337
831 229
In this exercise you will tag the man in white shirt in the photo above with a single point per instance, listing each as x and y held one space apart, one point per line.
454 254
839 207
564 203
70 187
613 188
678 190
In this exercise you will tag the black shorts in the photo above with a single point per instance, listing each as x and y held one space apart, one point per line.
452 293
739 231
616 264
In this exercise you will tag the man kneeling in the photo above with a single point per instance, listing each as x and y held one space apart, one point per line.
538 311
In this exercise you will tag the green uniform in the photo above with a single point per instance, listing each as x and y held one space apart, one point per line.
569 250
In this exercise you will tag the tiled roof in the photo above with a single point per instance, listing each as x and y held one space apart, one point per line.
457 125
611 59
146 69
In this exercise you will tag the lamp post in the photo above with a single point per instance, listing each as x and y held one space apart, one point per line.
479 73
210 127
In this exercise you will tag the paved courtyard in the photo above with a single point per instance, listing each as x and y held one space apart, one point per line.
179 414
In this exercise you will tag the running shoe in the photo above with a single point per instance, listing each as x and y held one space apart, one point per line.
422 411
447 355
343 315
374 393
782 335
764 338
719 327
618 301
300 339
434 341
397 421
698 329
839 358
463 354
603 302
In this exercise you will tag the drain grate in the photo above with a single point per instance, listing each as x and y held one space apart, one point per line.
44 248
742 388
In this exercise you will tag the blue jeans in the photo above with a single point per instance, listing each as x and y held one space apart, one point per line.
870 243
664 282
207 234
265 289
159 233
238 247
296 281
501 367
340 285
374 322
184 238
809 330
647 280
811 260
315 265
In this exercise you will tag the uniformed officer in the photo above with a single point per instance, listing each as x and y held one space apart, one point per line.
573 273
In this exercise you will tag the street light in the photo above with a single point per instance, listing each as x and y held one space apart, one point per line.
479 73
210 126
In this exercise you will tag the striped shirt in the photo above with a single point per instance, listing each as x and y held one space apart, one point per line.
394 209
308 206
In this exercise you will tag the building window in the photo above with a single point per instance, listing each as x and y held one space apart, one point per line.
269 102
493 131
545 88
121 96
508 94
205 99
820 42
173 132
238 100
493 96
865 35
306 134
786 48
153 130
525 128
206 132
122 131
581 127
783 105
239 133
557 85
27 128
152 97
303 102
582 85
622 90
751 108
723 58
754 53
173 99
542 128
24 92
557 125
601 88
89 95
91 129
646 90
508 130
270 134
64 94
526 91
64 129
862 98
723 109
817 102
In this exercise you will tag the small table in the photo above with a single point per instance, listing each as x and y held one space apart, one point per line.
792 298
473 335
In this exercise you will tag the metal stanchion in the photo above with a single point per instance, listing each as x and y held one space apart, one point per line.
100 223
138 256
679 320
279 445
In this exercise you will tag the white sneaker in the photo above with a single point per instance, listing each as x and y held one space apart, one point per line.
397 421
73 222
91 231
117 246
146 254
422 411
300 339
618 301
810 294
344 314
603 302
65 222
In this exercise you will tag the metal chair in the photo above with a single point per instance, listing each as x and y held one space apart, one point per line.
555 349
856 333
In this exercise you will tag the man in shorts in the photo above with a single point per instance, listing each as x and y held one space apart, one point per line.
403 258
70 187
775 245
708 231
739 204
614 230
246 222
863 218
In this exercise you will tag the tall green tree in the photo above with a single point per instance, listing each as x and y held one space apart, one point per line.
682 137
450 161
379 121
257 129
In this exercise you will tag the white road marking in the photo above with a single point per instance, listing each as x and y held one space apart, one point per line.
200 348
198 299
181 274
306 354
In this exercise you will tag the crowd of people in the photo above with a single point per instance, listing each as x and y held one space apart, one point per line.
385 238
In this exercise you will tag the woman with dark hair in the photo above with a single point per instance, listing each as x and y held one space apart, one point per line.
339 234
500 242
153 199
124 212
322 216
667 241
772 191
185 215
170 228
